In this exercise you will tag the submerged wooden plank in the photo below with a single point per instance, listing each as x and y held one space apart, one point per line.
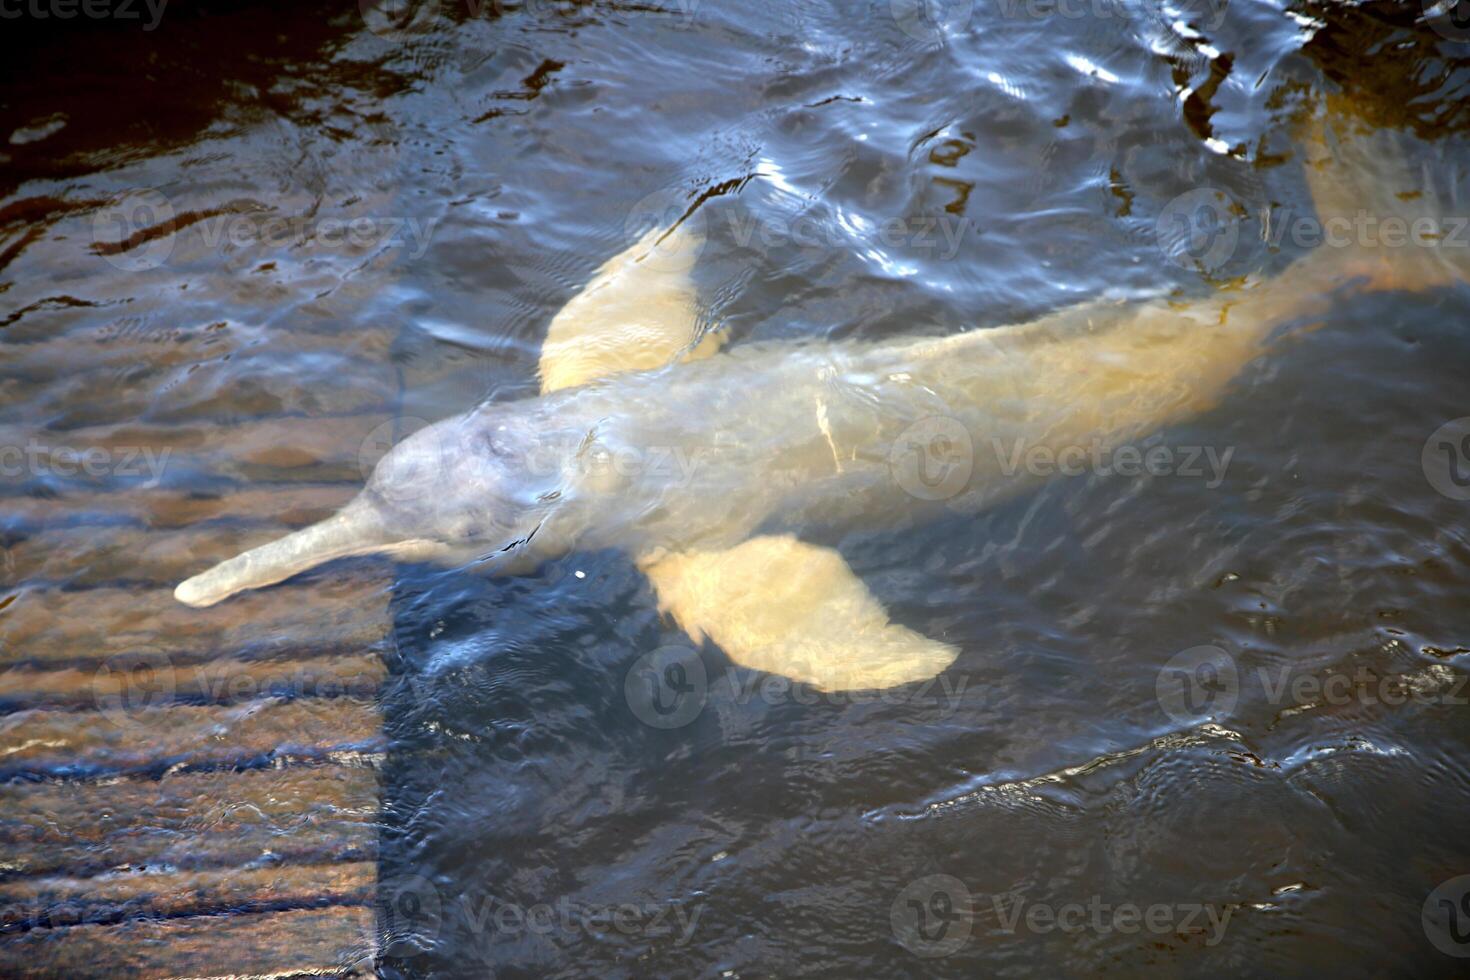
269 441
144 681
317 449
132 739
92 556
64 902
88 368
84 398
335 611
336 941
121 344
187 792
291 505
190 820
97 556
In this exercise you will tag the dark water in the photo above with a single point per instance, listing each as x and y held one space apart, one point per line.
863 174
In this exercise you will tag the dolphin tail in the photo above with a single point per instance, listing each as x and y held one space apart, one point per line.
354 530
1394 221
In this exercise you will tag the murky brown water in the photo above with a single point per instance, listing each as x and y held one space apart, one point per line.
244 249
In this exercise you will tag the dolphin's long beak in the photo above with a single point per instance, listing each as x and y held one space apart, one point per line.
354 530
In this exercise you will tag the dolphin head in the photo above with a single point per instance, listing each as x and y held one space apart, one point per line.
478 487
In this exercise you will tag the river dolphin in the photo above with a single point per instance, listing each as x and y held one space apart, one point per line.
708 465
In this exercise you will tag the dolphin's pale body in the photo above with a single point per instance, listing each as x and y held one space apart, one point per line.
705 465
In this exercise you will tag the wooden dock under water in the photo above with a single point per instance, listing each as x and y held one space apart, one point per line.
189 793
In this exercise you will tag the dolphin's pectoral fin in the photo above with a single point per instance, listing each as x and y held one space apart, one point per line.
639 312
780 605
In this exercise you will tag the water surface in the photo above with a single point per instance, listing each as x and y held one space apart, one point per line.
862 172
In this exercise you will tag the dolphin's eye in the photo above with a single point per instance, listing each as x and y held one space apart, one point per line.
498 442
